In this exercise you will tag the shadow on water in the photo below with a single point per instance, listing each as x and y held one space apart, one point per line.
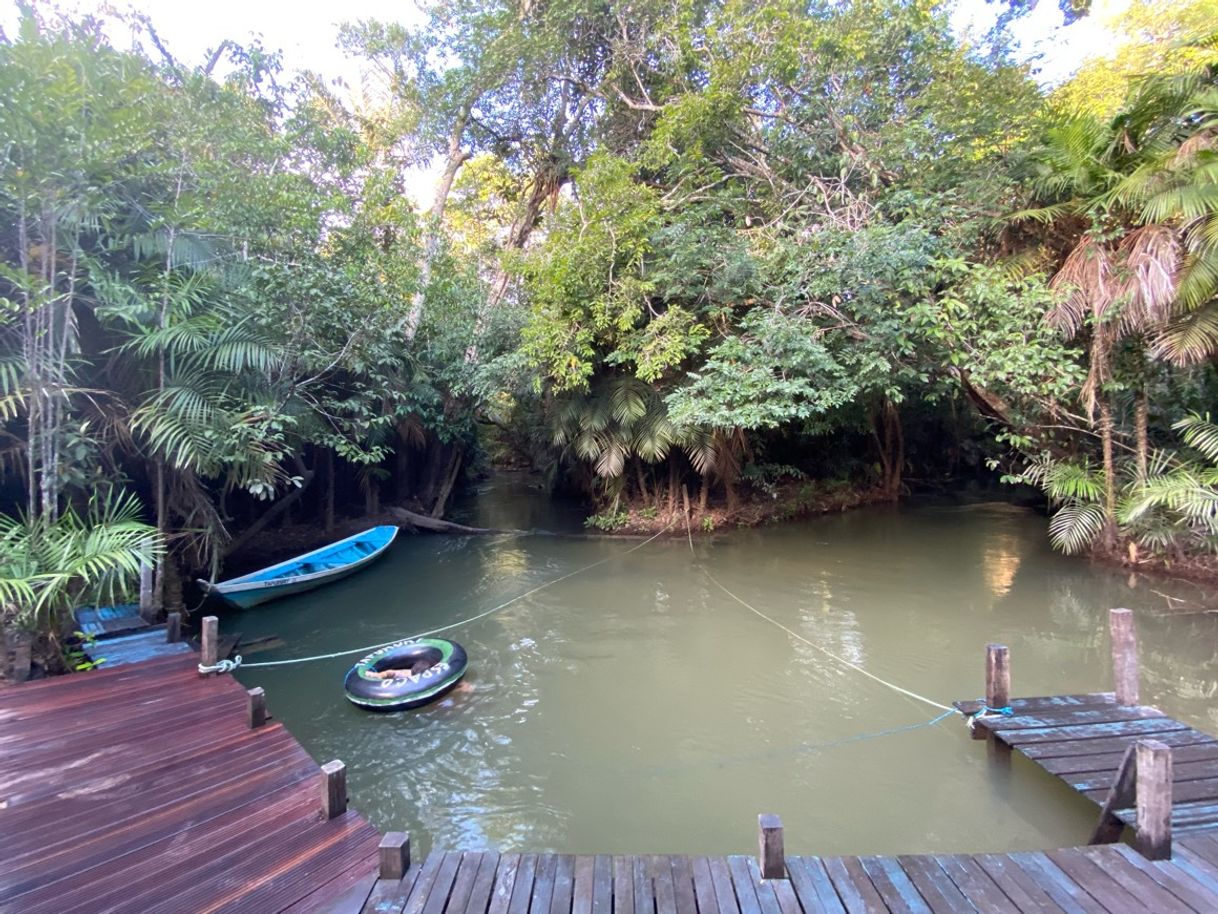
636 708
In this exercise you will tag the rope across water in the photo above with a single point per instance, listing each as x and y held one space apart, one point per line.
471 619
812 644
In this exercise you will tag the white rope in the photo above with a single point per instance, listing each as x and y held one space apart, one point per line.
471 619
815 646
796 635
221 666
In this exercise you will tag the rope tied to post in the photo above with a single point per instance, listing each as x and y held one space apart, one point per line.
221 666
986 711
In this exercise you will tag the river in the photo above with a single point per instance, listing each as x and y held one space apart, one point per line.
637 708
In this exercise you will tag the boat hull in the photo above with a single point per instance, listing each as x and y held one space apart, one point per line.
258 588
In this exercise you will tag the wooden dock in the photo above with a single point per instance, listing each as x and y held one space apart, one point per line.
150 788
153 788
1089 880
1143 769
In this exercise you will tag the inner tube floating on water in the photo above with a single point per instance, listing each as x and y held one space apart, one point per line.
434 666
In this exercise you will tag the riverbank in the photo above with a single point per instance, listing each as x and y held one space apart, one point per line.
779 503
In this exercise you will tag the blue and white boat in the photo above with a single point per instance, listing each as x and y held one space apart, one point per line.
321 566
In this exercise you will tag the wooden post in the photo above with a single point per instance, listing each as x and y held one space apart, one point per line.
1124 655
997 676
173 627
256 707
771 858
209 642
394 851
1154 790
333 789
997 682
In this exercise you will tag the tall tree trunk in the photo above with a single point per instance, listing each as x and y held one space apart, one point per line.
450 479
1106 433
1141 415
434 221
372 497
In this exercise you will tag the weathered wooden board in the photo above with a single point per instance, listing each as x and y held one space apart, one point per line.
143 789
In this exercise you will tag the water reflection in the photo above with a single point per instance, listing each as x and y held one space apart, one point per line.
635 708
1000 561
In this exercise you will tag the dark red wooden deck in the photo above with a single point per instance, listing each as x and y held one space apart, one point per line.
143 789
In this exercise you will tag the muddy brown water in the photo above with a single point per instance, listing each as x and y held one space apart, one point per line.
636 708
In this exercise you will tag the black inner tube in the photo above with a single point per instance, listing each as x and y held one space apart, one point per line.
416 661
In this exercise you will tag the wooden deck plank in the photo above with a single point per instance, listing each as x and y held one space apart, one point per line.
935 886
894 886
389 896
505 883
659 871
975 884
1065 889
641 887
522 891
683 885
746 891
543 884
813 887
853 886
602 885
483 885
463 884
1193 892
623 886
766 889
704 886
1108 762
1137 729
347 893
564 885
1182 736
585 875
725 892
1020 888
1070 718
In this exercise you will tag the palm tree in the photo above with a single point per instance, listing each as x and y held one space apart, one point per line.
623 418
1119 278
51 566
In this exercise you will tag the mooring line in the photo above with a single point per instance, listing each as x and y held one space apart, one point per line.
812 644
471 619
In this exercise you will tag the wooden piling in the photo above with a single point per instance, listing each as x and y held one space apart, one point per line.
997 682
771 859
333 789
173 628
1124 656
997 676
209 642
1154 799
394 855
256 707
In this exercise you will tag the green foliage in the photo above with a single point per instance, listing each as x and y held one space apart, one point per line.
608 520
90 558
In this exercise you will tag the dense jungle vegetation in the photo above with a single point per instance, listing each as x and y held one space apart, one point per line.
795 254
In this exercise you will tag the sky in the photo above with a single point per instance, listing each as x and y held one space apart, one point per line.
307 32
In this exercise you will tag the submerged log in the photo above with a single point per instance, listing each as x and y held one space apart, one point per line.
423 522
